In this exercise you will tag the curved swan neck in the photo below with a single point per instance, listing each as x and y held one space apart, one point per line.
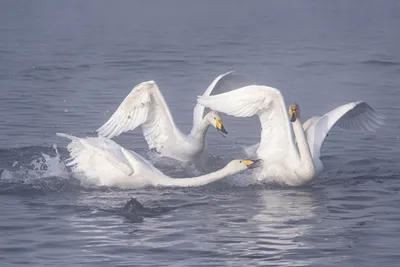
199 180
199 131
302 144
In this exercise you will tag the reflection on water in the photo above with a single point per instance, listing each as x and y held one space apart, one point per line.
284 216
270 228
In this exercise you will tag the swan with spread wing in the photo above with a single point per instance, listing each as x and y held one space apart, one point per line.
290 151
101 161
145 106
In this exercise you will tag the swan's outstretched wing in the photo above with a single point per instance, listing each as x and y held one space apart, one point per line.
198 112
309 122
97 156
144 106
266 102
355 116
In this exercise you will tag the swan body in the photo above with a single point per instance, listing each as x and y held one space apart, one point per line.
290 151
145 106
103 162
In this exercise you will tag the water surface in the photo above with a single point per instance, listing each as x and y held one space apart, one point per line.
66 66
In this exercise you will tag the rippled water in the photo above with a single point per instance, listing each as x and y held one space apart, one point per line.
66 66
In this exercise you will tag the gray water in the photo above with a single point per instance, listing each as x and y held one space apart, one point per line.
66 66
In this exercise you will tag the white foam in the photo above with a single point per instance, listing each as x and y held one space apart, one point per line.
39 168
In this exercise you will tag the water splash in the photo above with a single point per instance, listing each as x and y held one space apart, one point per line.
41 173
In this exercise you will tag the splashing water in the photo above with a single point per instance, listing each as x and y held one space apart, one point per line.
45 171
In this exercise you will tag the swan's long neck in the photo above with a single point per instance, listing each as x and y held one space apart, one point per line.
199 131
199 180
306 162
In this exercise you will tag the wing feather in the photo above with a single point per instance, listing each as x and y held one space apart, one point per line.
131 113
198 112
96 157
352 116
242 102
144 106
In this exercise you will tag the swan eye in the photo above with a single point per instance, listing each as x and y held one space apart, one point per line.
215 118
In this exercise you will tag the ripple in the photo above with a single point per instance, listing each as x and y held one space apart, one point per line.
380 62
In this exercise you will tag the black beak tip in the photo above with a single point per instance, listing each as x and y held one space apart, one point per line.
293 118
222 130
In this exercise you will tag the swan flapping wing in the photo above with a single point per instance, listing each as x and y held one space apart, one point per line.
97 156
144 106
198 112
243 102
309 122
354 116
264 101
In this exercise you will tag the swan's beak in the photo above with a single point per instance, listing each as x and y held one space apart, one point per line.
292 114
251 163
220 127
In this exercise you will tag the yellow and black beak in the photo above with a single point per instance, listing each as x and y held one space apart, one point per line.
220 127
251 163
292 114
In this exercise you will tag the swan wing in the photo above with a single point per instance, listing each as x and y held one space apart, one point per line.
309 122
266 102
198 112
353 116
145 106
97 156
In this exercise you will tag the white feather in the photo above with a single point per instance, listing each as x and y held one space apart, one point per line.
198 112
96 157
144 106
268 104
352 116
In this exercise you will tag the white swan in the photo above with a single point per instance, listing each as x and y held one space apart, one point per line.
103 162
145 106
289 159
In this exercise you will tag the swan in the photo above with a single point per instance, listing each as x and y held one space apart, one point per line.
289 150
145 106
103 162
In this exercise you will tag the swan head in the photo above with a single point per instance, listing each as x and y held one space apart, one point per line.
215 120
294 112
238 165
